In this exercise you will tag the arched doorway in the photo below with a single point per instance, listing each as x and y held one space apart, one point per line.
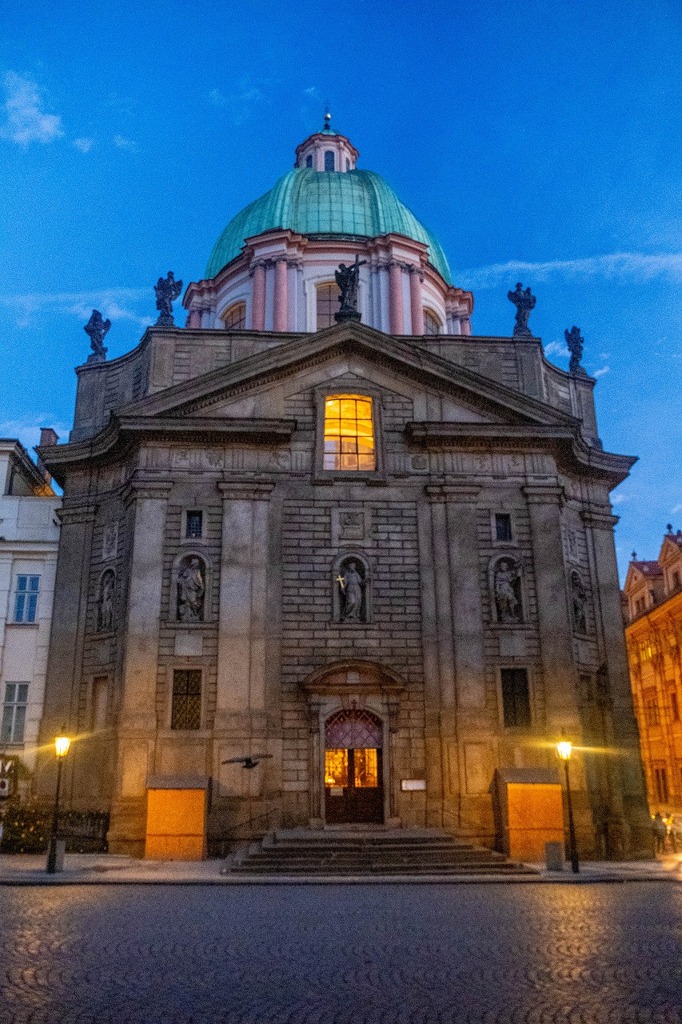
353 775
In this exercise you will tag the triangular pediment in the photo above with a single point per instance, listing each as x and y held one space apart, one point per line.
259 385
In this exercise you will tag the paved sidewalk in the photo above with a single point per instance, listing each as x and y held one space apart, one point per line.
110 869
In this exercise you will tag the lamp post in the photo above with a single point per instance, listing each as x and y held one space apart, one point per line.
564 749
61 749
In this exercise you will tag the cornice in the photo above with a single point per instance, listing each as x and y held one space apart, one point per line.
245 489
562 439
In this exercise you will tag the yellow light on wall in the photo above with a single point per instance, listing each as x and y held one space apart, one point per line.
563 749
61 744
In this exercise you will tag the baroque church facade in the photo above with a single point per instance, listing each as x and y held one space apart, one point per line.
374 556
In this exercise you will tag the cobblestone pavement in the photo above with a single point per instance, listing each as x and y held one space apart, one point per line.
507 954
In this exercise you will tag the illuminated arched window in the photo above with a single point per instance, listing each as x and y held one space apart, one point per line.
235 317
431 323
349 433
327 304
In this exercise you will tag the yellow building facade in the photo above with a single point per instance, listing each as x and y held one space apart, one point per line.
653 612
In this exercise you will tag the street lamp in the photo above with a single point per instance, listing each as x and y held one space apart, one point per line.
61 749
564 749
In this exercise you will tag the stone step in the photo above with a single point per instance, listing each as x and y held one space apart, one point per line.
359 853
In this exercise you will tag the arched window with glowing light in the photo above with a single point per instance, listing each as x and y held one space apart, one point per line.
432 324
327 295
349 433
235 317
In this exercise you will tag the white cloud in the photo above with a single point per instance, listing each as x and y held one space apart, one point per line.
26 122
675 510
601 373
619 499
114 304
239 104
556 348
122 143
217 98
623 265
27 429
84 145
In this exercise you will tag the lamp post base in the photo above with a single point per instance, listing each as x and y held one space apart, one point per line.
55 855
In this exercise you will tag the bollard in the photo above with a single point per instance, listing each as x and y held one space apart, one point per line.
554 856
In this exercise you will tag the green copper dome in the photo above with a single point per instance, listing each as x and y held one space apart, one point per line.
314 202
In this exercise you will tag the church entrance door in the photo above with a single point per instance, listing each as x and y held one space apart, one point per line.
353 775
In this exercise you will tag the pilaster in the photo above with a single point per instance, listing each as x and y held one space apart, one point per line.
65 655
243 626
629 825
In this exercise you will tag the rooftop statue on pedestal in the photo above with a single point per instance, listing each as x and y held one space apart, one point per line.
575 343
524 302
96 329
347 280
167 290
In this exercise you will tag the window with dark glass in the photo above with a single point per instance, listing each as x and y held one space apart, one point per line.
515 698
235 317
14 712
348 433
329 160
661 782
674 706
327 305
503 526
186 707
195 524
309 161
26 598
431 323
652 714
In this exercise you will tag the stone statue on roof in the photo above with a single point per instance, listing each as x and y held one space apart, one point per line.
347 280
96 329
575 343
524 302
167 290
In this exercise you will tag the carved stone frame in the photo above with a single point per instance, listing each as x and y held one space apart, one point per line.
514 555
344 556
374 476
190 552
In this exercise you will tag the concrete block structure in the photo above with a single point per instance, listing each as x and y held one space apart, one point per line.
375 558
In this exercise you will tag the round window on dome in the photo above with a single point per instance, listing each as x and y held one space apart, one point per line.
328 296
432 324
235 316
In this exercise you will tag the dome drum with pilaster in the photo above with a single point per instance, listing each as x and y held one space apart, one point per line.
276 253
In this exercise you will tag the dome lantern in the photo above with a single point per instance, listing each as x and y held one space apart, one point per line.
326 150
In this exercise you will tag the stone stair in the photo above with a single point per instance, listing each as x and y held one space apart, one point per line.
390 852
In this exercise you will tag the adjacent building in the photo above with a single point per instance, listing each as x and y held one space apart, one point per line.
653 611
29 535
326 573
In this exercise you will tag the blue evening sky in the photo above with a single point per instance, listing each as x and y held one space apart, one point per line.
541 141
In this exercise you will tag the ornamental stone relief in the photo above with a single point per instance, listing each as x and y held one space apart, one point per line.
191 589
507 590
105 601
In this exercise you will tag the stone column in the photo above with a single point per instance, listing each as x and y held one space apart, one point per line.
281 311
137 726
64 677
554 620
258 298
629 827
395 298
138 699
241 697
416 303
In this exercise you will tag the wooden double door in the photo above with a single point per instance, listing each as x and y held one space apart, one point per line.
353 769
